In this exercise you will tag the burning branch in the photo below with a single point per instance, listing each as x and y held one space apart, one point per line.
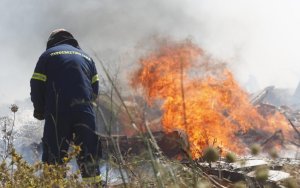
277 135
297 131
294 127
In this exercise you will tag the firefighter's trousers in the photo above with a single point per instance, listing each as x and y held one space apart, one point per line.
78 128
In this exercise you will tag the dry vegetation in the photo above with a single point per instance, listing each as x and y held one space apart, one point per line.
148 169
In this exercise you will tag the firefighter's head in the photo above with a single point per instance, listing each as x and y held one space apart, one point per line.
61 36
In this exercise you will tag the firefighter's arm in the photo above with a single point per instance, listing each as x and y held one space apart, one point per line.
38 88
95 81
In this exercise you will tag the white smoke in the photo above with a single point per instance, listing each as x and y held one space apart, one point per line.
257 38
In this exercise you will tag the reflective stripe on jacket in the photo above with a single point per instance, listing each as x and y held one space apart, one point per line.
65 78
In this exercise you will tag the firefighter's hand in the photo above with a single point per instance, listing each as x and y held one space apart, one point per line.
38 115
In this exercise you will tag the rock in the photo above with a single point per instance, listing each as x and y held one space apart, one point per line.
241 165
274 175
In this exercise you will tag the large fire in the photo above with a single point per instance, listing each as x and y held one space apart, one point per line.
201 98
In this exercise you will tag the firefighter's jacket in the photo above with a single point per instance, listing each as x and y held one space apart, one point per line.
65 79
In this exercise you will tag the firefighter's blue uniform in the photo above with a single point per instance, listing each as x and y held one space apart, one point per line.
63 86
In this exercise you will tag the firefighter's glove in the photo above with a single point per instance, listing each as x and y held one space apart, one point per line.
38 115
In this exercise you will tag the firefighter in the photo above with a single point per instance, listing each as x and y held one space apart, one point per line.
63 87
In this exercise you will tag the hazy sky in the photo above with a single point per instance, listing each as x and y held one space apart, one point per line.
258 38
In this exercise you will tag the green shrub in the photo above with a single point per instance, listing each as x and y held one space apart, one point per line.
211 154
230 157
255 149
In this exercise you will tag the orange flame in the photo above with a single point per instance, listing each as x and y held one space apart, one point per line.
200 97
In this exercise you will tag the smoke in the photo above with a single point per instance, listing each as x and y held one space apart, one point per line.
259 39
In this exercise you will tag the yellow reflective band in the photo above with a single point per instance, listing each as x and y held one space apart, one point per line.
39 76
95 179
95 78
